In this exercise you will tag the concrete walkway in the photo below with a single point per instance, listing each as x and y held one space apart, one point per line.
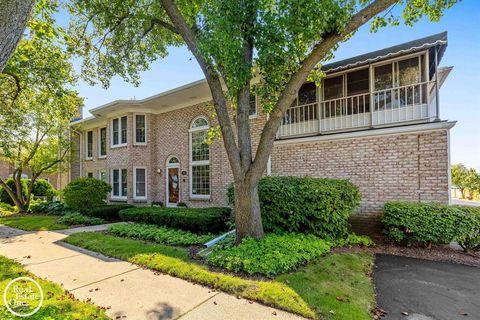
416 289
126 290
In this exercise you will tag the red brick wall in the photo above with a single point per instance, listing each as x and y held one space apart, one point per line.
411 167
408 166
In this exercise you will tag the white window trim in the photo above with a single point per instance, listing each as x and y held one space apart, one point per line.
253 116
99 143
113 146
135 130
86 145
122 197
192 163
99 174
135 184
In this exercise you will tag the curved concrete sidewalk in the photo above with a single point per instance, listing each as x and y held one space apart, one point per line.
126 290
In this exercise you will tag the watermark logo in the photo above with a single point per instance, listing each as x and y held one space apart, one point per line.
23 296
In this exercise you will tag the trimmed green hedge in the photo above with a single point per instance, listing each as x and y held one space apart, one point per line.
198 220
106 211
306 205
431 223
86 192
270 256
154 233
73 219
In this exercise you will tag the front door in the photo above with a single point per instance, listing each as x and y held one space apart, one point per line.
173 186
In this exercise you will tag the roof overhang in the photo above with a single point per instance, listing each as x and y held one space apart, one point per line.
438 41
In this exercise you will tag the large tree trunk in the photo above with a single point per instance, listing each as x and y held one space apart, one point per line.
12 194
248 219
14 15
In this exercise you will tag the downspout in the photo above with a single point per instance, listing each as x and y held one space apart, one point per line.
437 91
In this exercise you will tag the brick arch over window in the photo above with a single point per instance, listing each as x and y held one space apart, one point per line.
199 158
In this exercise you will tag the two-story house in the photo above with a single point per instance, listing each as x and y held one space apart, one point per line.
375 119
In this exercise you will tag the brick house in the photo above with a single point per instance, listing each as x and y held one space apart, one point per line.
375 120
57 179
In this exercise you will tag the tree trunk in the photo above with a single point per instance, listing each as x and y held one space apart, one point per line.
462 192
12 194
248 220
14 15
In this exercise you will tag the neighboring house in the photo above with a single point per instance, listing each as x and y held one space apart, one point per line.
57 180
375 120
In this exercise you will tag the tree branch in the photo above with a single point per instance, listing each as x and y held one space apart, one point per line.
189 35
17 83
293 85
160 23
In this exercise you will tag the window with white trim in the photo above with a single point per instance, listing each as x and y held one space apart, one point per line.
102 175
119 183
252 112
119 131
140 181
89 153
140 129
199 159
102 142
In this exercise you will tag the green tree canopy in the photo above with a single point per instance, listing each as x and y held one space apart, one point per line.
37 102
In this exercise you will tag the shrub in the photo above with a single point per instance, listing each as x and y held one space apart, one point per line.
471 240
6 209
198 220
107 211
5 197
43 188
355 240
55 208
428 223
85 193
158 234
306 205
73 219
270 256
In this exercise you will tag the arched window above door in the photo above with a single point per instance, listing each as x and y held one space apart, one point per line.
173 160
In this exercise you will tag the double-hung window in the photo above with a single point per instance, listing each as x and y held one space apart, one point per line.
89 153
252 112
140 129
119 131
102 142
140 183
199 160
119 183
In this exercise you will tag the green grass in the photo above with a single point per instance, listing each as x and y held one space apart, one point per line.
336 286
312 291
33 223
174 261
57 303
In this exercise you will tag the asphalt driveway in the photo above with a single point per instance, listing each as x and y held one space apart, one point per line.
426 290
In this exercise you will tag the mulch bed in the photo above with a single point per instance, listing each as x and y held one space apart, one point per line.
435 253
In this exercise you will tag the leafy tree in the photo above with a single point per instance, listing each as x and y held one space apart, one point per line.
459 174
36 105
465 179
279 42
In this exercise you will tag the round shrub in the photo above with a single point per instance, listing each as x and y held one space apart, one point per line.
306 205
43 188
431 223
5 197
85 192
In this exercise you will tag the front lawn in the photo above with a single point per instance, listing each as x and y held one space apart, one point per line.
33 223
336 286
57 303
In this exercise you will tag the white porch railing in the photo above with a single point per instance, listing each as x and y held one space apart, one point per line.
378 108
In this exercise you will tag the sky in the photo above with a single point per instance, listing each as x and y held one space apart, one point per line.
459 96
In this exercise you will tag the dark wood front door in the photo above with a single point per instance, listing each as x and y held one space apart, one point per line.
173 185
